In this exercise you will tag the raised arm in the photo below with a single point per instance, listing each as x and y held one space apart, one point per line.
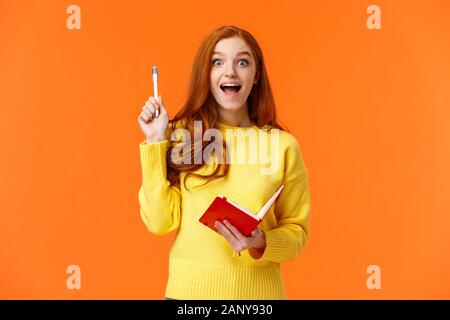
160 202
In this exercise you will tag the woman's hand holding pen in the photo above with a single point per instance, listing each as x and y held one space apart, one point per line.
153 126
239 242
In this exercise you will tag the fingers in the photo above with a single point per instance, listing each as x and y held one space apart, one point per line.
156 104
146 114
237 240
225 231
228 235
149 110
144 117
235 231
258 231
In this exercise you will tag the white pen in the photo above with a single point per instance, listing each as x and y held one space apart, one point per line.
155 86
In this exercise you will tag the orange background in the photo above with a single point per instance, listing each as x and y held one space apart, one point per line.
370 109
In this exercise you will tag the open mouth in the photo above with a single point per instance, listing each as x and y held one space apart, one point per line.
230 89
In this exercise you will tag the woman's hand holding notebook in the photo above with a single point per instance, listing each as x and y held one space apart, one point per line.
224 209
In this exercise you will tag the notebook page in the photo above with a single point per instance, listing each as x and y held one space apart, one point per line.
243 209
269 203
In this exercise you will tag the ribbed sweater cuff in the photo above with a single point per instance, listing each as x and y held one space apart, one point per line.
277 247
153 161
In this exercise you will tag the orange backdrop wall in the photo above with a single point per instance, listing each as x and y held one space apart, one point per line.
370 109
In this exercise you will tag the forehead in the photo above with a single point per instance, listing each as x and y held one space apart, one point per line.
232 46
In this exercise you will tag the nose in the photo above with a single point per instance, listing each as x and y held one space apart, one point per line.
229 71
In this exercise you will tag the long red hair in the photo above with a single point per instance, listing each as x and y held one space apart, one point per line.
202 106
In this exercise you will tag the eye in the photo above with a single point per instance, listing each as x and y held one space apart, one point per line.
246 62
214 62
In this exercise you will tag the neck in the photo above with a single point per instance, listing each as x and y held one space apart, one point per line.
235 118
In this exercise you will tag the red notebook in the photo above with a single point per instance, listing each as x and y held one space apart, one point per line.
224 209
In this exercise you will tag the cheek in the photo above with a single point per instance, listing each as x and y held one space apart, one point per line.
213 82
249 84
213 89
214 75
249 78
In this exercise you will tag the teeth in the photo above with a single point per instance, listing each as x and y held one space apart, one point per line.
230 85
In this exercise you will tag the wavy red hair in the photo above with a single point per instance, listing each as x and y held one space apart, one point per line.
202 106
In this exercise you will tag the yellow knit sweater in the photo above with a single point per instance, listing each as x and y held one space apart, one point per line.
201 265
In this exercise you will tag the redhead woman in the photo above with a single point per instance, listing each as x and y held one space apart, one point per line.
230 99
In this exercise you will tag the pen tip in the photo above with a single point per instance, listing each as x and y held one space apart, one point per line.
155 69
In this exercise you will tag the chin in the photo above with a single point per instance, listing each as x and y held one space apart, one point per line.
231 105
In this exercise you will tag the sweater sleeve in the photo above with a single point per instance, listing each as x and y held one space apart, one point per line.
292 210
160 202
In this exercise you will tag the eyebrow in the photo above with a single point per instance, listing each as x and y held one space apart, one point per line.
240 53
